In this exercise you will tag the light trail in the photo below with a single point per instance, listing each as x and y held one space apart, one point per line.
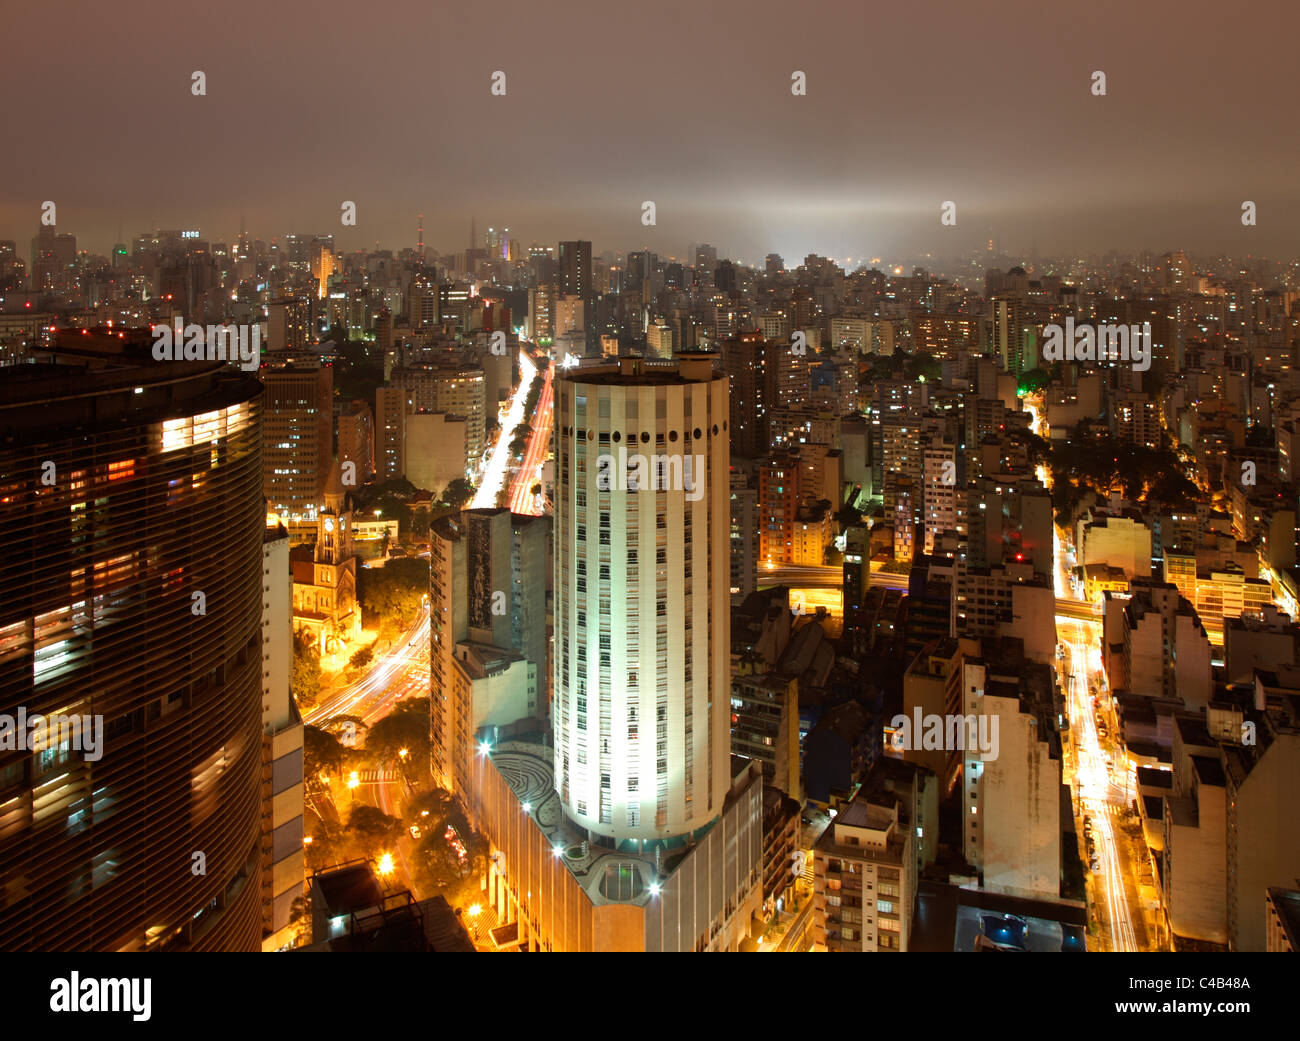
522 499
399 670
494 474
1099 796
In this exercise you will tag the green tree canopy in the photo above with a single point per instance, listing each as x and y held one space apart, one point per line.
371 829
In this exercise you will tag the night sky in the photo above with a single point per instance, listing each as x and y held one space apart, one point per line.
687 104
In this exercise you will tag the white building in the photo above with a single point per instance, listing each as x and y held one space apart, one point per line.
641 612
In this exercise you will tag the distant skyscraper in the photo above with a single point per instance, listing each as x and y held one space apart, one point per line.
288 324
53 256
753 392
356 428
575 269
131 602
576 280
298 436
422 301
642 610
706 261
724 276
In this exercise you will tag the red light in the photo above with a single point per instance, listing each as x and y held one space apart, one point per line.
28 304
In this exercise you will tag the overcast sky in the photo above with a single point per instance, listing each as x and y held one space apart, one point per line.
686 103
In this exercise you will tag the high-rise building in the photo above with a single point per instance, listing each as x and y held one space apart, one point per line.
53 258
288 324
283 856
131 610
357 440
298 436
744 534
390 432
575 269
642 610
575 279
422 301
753 393
488 641
706 260
541 312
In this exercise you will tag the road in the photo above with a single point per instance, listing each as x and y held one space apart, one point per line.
1114 892
498 461
796 936
401 671
1101 797
808 576
522 499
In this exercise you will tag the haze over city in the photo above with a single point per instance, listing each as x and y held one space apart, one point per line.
685 104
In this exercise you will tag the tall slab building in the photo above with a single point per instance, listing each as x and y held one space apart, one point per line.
131 611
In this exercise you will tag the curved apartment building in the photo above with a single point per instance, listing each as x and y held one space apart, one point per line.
131 584
641 711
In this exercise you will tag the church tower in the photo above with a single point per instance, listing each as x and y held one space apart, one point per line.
334 522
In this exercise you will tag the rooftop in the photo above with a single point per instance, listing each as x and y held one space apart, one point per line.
645 372
608 875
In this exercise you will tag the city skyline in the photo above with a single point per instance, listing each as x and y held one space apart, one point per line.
673 478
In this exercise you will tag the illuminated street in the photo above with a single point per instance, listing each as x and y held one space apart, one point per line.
1101 799
401 671
494 474
522 499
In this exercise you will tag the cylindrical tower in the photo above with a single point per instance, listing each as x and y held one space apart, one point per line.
642 606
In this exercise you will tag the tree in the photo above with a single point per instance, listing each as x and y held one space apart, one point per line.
439 869
419 524
458 492
396 590
361 658
305 680
327 844
438 801
300 920
371 829
321 753
406 728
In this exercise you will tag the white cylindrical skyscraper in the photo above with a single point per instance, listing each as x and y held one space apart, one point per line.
642 604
